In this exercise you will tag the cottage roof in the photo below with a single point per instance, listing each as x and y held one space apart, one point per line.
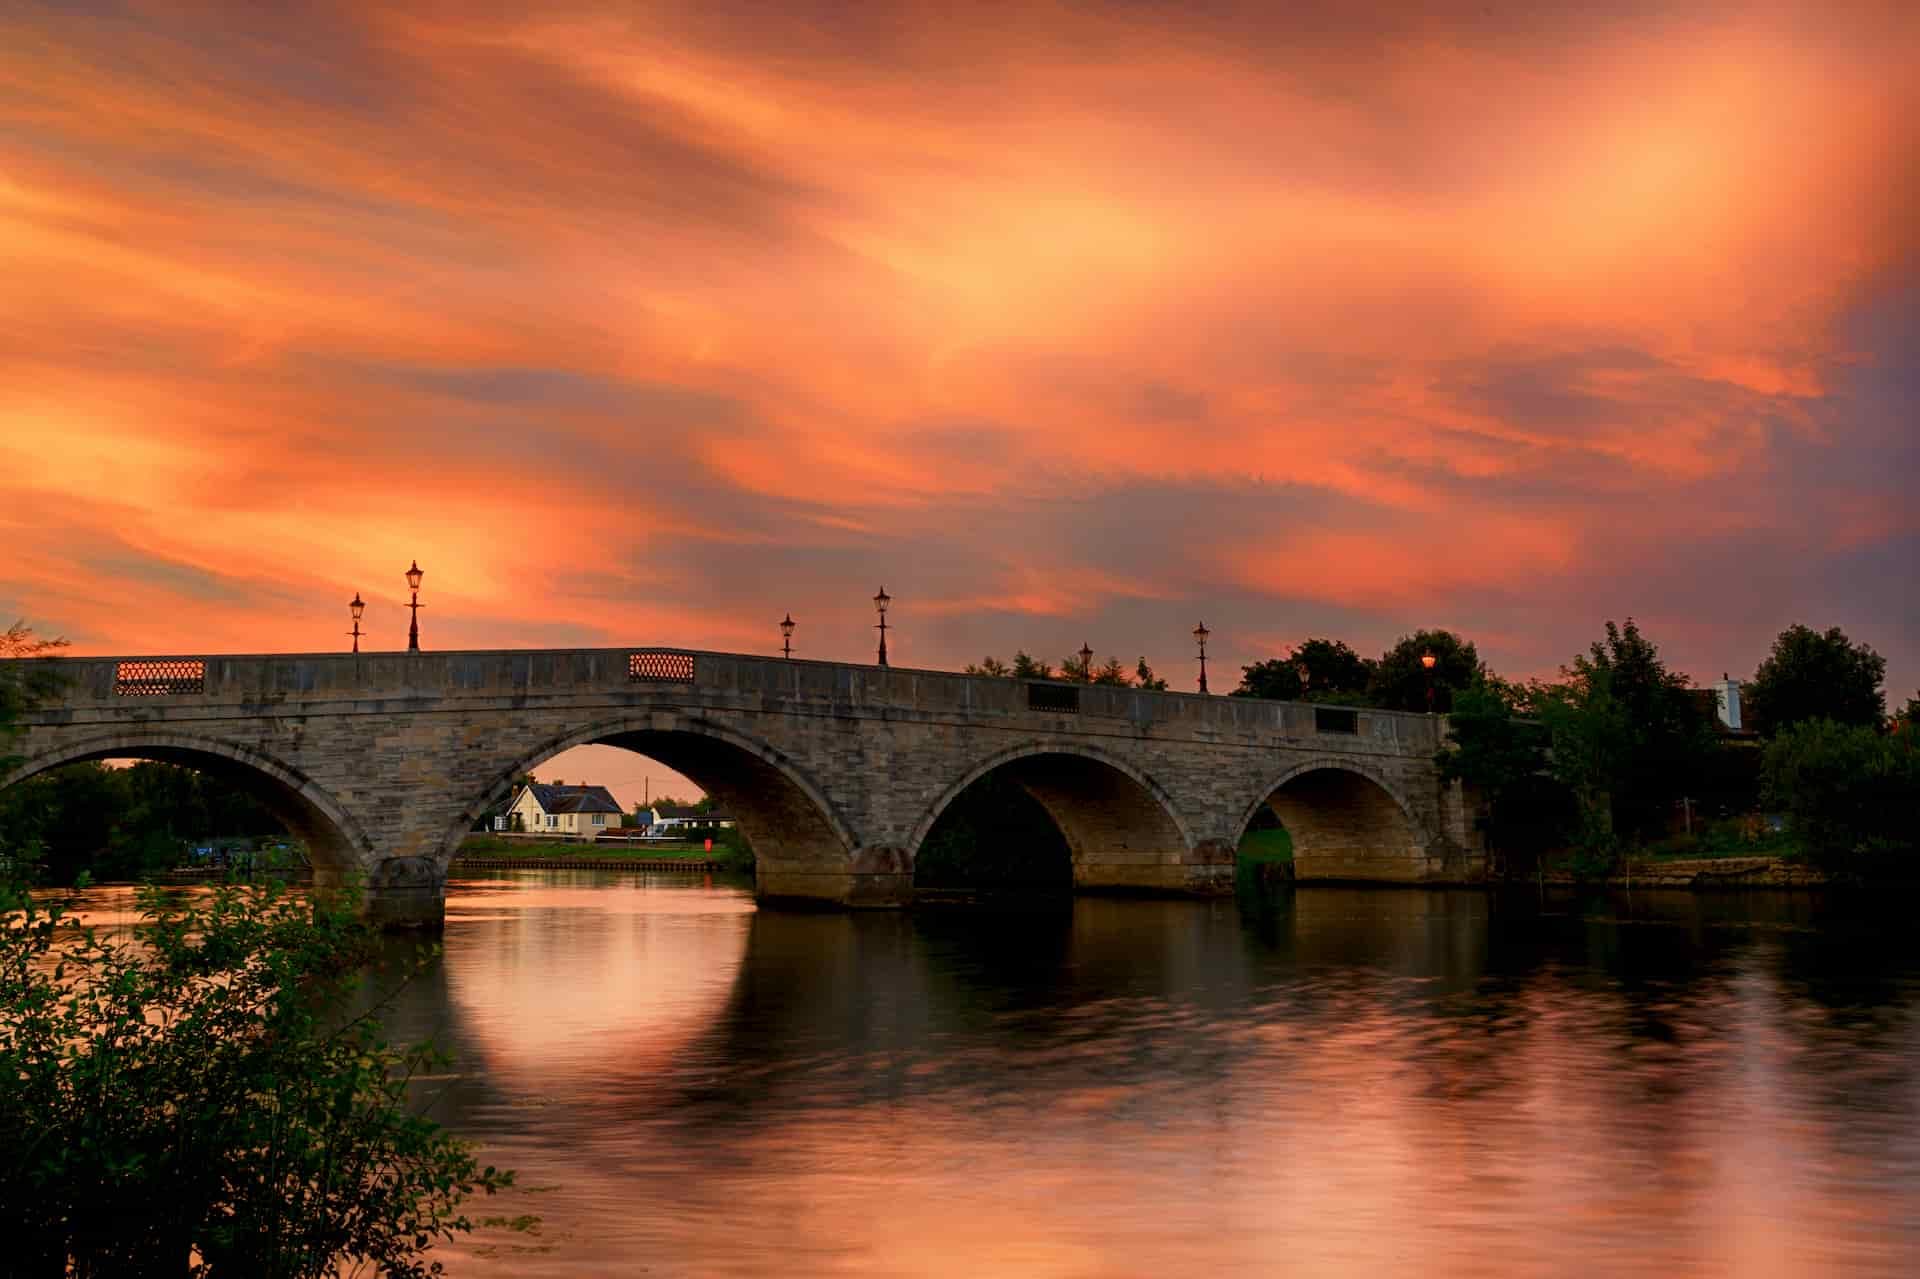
573 799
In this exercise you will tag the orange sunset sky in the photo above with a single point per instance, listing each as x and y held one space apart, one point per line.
1071 321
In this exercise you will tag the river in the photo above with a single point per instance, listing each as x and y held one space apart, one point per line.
1352 1082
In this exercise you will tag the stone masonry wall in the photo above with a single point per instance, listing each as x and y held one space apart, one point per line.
836 772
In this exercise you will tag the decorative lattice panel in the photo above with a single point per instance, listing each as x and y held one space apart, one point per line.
1063 699
159 679
660 668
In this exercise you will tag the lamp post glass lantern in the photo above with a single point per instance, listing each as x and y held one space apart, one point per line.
356 606
880 603
786 636
413 628
1200 634
1427 660
1086 663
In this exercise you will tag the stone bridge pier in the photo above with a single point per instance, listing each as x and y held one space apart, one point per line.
836 773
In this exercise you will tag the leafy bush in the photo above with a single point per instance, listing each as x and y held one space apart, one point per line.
1852 795
197 1099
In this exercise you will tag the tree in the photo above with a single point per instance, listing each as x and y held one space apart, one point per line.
1810 675
201 1099
1316 670
1025 667
1076 668
1503 757
123 823
1851 794
1907 718
1144 675
1592 739
1400 679
23 681
1113 673
1663 735
1275 678
989 665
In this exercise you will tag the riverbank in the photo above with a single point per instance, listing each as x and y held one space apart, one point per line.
1706 873
687 864
492 851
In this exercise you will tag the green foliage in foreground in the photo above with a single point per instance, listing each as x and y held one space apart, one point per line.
1851 794
196 1099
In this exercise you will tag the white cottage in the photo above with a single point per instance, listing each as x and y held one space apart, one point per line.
558 809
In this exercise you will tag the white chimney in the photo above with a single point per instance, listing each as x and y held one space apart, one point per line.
1726 696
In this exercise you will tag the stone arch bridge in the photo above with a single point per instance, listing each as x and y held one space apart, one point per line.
836 773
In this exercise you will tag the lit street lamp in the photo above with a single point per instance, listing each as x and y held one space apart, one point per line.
413 628
1086 662
1427 659
357 606
880 603
1200 634
786 636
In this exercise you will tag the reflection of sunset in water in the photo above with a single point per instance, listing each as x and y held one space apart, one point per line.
570 983
1376 1083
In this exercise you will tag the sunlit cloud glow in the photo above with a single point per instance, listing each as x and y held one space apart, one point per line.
651 324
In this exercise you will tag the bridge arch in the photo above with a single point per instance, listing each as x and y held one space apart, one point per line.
1346 821
336 843
1120 826
783 812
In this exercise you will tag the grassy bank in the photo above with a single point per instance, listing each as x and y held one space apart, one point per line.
1722 839
495 848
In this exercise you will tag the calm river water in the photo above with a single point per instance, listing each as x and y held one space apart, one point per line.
1354 1083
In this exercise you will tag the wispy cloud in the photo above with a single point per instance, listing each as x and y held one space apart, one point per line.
657 322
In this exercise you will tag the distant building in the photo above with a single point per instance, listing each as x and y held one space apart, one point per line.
561 810
680 819
1722 700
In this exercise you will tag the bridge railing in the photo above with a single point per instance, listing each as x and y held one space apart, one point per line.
259 681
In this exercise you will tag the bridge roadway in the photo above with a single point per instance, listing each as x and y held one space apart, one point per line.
835 772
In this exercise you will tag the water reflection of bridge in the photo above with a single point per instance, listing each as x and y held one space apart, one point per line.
837 773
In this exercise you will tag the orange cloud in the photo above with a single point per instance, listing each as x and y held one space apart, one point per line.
648 324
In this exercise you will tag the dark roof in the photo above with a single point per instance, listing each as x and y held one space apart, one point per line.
689 810
574 799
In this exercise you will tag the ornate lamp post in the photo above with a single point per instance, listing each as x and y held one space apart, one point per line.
413 628
357 606
786 636
880 603
1427 659
1086 662
1200 634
